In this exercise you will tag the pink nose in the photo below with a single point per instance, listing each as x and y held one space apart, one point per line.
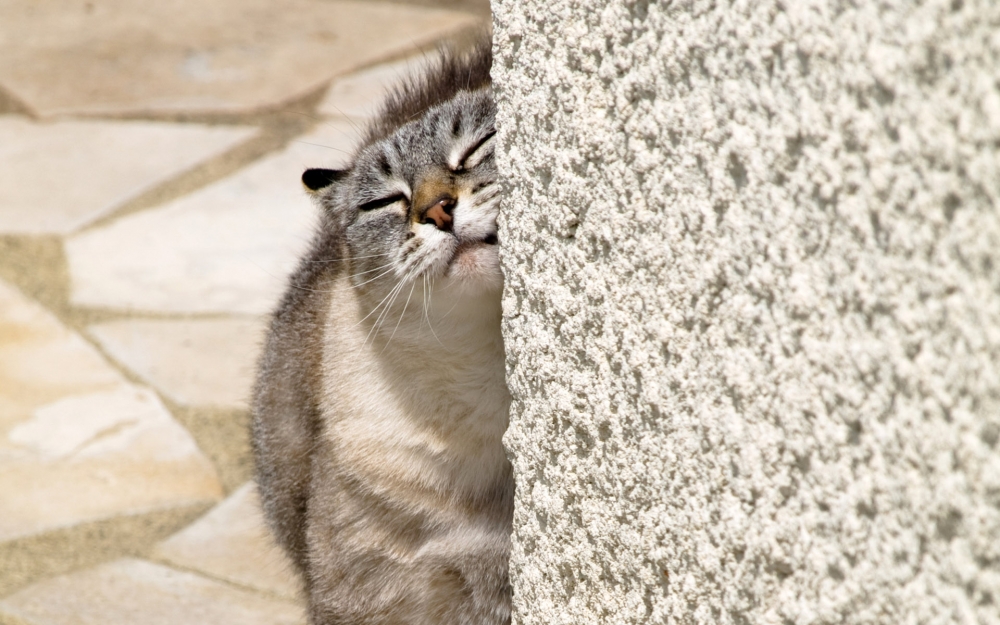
440 215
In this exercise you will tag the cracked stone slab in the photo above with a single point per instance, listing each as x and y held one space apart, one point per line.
231 542
94 456
225 248
97 166
129 591
70 57
77 442
358 95
42 361
194 362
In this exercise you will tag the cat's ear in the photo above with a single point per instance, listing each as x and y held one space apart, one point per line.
318 179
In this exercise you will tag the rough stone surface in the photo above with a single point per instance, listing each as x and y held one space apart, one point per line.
127 591
232 543
194 362
55 178
751 312
70 56
225 248
358 96
77 443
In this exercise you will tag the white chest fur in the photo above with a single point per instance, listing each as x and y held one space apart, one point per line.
418 405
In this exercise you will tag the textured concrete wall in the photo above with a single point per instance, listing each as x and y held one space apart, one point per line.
752 316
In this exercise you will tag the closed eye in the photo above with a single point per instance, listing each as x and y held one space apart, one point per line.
474 155
380 203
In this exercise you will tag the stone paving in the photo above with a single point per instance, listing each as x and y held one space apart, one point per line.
150 211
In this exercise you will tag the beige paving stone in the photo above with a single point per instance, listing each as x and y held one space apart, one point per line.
359 95
232 543
225 248
194 362
129 591
57 177
42 361
94 456
77 442
116 56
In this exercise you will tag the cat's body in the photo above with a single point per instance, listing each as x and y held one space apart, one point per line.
380 403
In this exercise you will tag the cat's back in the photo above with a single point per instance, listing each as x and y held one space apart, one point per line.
284 410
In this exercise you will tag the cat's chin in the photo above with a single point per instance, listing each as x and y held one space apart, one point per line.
476 265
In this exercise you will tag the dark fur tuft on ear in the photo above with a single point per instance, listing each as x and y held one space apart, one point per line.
316 179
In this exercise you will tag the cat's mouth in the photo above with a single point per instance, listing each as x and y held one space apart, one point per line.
473 258
465 246
476 262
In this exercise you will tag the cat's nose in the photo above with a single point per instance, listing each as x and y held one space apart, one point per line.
439 214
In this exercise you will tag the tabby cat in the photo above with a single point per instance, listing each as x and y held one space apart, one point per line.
380 400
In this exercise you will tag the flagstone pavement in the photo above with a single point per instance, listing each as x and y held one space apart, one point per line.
150 211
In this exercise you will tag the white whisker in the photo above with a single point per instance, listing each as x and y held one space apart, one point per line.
344 260
426 318
377 325
320 145
405 304
377 306
379 268
386 272
427 299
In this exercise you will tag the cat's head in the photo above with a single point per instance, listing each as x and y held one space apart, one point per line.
418 205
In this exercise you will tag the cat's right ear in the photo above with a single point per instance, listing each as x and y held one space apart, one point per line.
318 179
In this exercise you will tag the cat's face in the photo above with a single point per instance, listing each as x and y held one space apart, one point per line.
420 206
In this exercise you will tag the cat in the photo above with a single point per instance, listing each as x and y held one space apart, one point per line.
380 400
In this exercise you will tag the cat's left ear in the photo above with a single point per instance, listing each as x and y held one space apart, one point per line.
318 179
